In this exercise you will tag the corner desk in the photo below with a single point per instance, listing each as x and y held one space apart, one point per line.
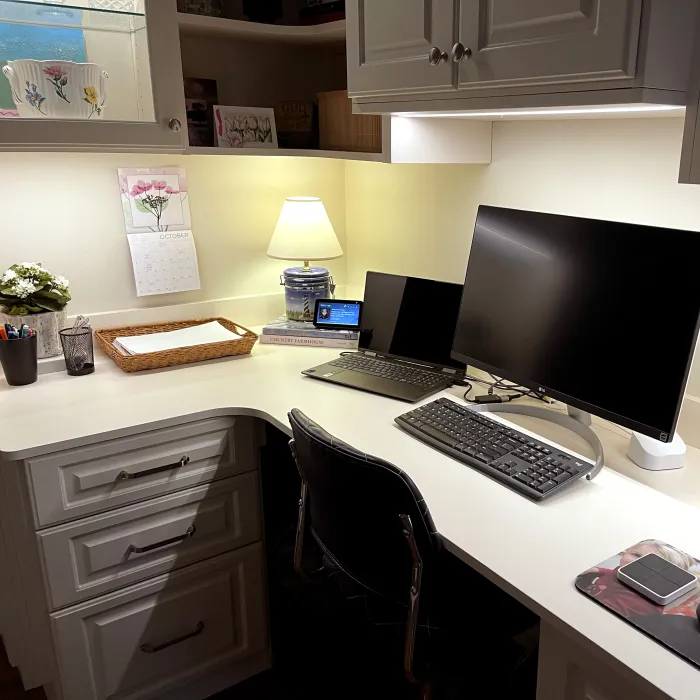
89 621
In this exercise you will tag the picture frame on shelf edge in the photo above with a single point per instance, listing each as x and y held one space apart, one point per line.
245 127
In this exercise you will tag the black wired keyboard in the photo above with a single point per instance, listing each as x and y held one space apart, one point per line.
532 468
393 370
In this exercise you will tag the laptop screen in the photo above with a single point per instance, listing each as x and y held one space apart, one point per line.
410 318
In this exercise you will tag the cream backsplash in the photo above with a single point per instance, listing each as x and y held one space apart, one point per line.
64 210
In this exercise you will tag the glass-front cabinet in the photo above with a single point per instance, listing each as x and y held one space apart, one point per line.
84 74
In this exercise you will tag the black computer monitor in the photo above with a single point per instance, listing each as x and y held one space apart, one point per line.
410 318
601 315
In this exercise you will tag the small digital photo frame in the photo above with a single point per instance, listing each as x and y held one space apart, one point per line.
657 579
342 314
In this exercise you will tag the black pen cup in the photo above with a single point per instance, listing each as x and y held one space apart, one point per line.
78 351
19 360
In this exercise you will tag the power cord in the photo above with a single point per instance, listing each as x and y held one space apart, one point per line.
498 384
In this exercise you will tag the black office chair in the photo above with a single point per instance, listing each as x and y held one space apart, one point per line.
373 526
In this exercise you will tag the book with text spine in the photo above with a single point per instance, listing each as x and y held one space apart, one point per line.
282 326
308 342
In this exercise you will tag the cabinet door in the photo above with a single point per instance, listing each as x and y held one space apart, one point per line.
690 153
91 75
389 44
546 42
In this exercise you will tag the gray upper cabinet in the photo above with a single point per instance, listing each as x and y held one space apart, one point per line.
690 153
390 44
516 53
541 42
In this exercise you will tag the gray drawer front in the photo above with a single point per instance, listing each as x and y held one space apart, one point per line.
105 552
74 483
153 636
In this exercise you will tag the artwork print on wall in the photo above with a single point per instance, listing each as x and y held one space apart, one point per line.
154 199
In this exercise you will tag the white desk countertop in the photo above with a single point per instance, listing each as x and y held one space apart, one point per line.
532 550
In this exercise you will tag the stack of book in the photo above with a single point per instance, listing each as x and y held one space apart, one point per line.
282 331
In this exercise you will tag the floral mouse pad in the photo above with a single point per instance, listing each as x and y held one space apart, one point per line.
674 625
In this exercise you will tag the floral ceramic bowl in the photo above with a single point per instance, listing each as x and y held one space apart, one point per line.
57 89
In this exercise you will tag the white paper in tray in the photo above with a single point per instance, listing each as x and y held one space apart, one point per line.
212 332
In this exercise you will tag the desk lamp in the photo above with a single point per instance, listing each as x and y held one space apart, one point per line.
304 232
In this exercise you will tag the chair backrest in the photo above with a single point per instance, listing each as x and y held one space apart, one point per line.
354 504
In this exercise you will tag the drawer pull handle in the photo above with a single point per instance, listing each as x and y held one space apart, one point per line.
133 549
155 648
125 475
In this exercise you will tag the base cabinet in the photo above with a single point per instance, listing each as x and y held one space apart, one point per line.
140 641
145 587
568 672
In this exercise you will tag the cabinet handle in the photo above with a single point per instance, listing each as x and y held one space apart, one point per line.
459 52
125 475
175 125
155 648
436 57
133 549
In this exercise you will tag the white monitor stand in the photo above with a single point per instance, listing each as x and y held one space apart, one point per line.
577 421
643 451
656 455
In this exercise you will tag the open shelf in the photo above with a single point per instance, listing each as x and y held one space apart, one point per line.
329 33
285 152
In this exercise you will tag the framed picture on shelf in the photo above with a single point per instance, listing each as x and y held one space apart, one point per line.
245 127
201 95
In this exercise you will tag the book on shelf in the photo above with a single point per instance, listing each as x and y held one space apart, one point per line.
311 342
304 329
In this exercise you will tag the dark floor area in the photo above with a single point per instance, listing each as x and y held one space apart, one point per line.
325 645
10 683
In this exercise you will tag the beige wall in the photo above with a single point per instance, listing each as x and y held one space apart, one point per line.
418 219
64 210
410 219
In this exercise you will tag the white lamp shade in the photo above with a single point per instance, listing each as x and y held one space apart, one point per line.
304 232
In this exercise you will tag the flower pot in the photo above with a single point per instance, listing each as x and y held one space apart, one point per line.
57 89
46 326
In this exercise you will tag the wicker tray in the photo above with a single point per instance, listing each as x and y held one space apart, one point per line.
180 356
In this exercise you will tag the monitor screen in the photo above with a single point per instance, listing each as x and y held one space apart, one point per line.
410 318
601 315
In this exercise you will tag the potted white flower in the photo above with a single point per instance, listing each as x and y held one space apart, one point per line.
32 295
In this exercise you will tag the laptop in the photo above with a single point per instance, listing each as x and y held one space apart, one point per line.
408 325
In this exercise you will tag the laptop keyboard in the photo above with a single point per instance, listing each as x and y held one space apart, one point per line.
392 370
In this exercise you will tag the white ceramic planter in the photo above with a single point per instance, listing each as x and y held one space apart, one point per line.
57 89
46 326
